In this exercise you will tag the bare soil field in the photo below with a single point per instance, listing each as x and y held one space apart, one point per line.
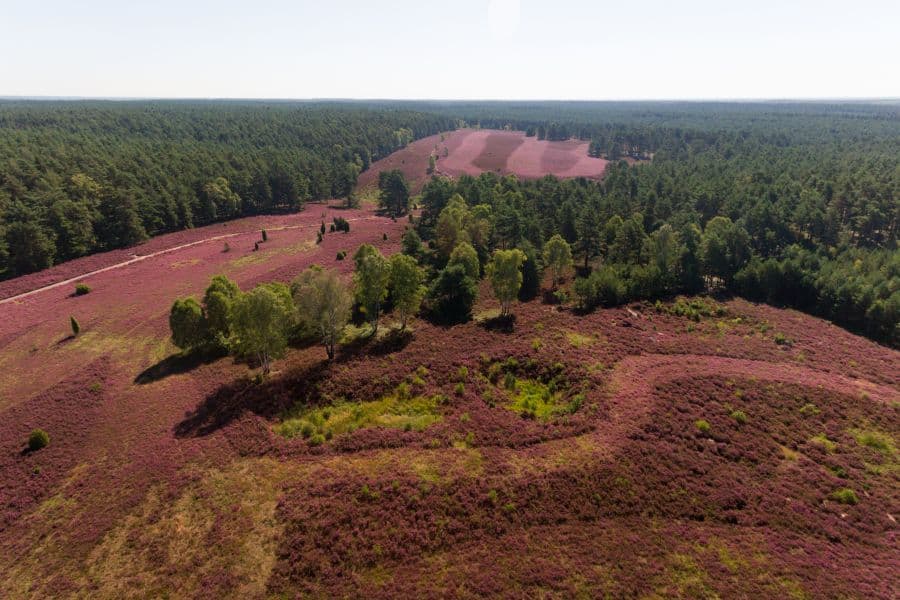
511 152
474 151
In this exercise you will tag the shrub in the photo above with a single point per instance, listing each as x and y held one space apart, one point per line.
341 255
265 236
38 439
782 340
226 247
76 328
739 416
384 236
332 228
81 289
460 389
317 440
601 288
702 426
844 496
509 381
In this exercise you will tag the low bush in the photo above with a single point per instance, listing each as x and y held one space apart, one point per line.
739 416
81 289
601 288
844 496
38 439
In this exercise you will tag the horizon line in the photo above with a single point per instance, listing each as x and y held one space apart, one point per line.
75 98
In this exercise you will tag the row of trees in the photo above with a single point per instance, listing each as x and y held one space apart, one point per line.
261 323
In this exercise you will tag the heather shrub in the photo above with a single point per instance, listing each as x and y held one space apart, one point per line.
81 289
38 439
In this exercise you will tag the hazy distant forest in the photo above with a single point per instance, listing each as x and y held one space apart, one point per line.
793 204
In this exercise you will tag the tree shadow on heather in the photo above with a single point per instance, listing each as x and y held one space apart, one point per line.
394 340
500 323
176 364
267 398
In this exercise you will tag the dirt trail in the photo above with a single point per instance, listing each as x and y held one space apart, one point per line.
140 258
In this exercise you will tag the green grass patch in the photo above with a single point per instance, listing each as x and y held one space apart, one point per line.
822 440
579 340
536 400
844 496
877 440
397 410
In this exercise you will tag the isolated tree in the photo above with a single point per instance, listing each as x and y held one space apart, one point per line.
323 304
464 255
371 279
406 286
452 295
218 302
260 323
394 192
76 328
505 274
557 257
187 324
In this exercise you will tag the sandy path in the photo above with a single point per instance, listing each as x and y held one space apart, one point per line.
143 257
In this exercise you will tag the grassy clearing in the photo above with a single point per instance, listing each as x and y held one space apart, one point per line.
579 340
164 549
399 410
536 400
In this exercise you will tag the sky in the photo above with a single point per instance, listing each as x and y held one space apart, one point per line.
446 49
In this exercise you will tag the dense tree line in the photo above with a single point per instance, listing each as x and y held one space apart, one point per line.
81 177
653 231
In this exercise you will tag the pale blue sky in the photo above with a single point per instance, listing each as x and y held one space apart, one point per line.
513 49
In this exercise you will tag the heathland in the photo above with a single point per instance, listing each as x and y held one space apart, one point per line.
612 382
